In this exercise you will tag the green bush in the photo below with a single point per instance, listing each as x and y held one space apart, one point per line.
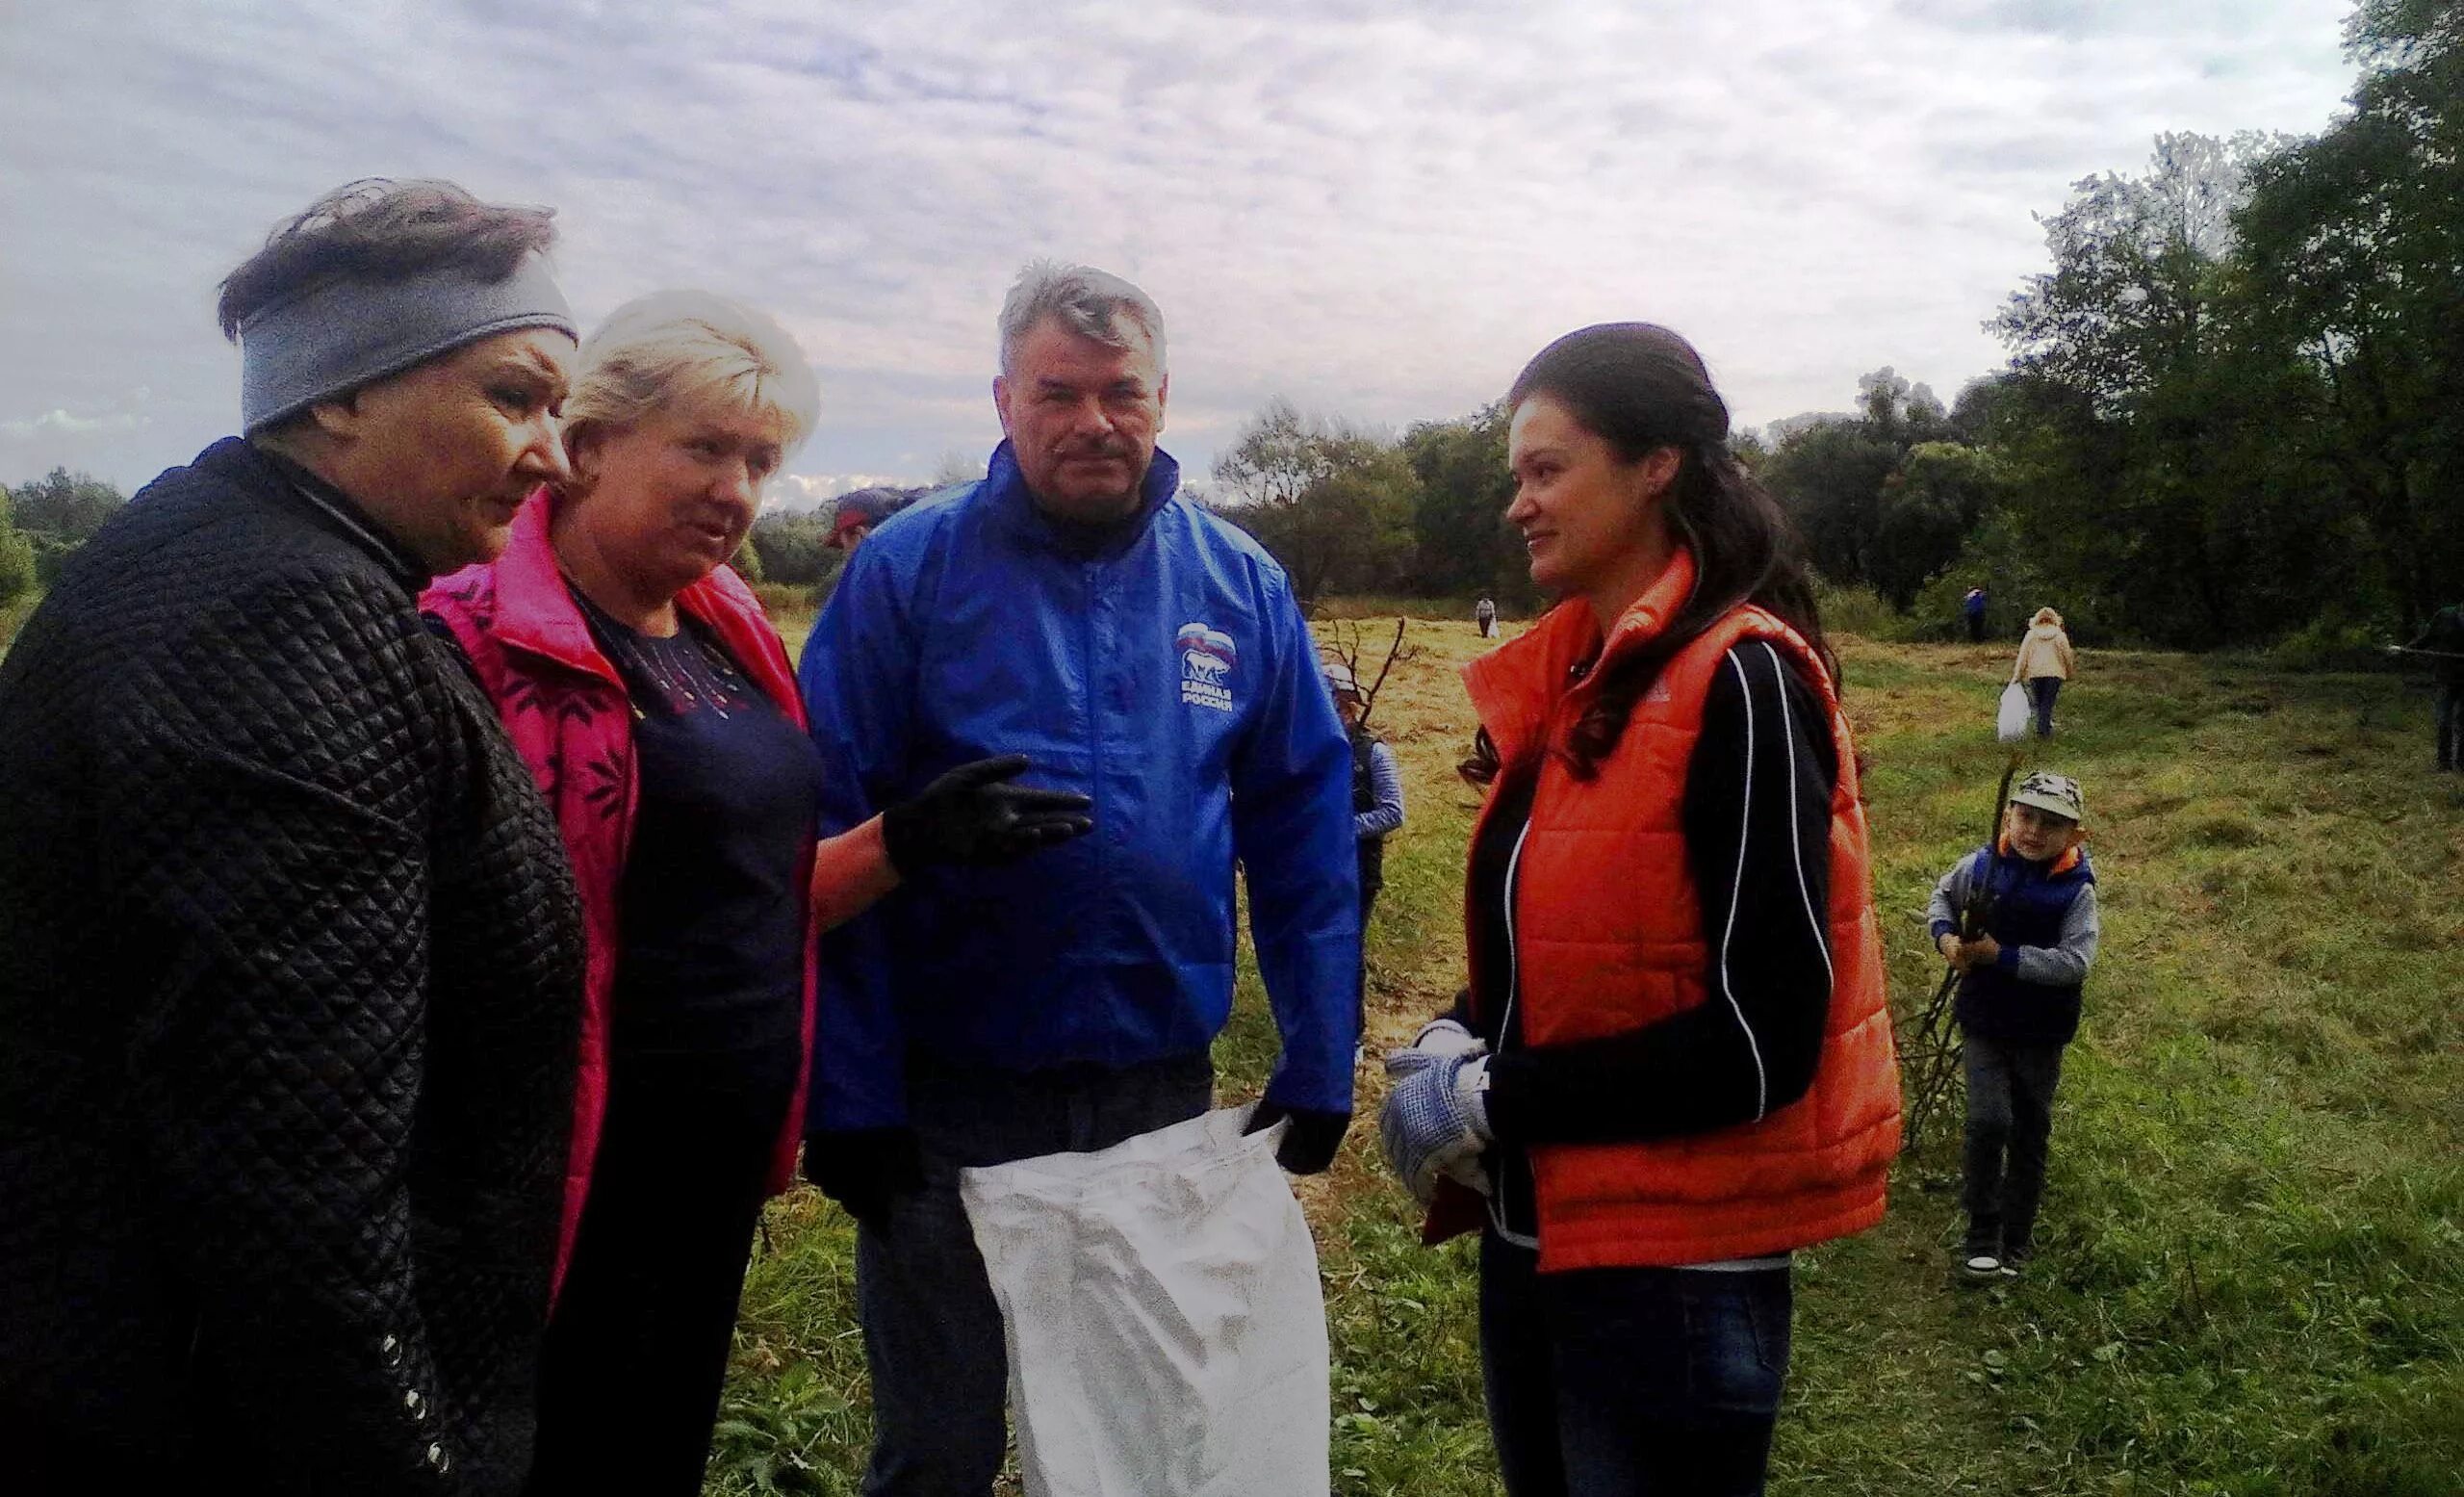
794 599
1858 610
747 562
2332 641
17 564
51 553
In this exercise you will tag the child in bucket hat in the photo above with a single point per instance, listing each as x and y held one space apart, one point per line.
2017 1005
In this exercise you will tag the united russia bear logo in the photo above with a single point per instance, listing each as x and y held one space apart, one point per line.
1208 656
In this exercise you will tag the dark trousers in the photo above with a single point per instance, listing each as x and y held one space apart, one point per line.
1630 1381
932 1329
2009 1118
637 1350
1360 999
2043 690
2450 725
1976 629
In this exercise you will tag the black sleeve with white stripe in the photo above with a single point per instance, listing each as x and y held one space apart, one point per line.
1758 827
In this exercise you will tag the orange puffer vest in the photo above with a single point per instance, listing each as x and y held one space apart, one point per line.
1610 937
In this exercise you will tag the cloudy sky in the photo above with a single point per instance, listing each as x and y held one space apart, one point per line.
1378 208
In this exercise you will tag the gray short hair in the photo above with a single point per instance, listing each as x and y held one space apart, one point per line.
1088 302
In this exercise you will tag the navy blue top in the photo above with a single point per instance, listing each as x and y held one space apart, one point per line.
2028 904
715 898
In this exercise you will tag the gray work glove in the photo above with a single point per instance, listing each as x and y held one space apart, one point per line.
1436 1120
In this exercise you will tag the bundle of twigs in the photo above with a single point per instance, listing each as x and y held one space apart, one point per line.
1929 1059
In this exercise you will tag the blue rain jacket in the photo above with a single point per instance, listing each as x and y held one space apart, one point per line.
1172 678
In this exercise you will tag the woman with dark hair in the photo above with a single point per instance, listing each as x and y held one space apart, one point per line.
1674 1065
290 957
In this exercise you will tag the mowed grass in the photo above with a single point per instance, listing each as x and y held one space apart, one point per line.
2253 1270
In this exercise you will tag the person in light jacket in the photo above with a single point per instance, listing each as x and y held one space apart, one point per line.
2044 663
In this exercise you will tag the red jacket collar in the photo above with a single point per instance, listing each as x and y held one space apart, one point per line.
1515 687
535 611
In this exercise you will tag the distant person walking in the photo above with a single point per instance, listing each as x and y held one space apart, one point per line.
2443 642
2045 663
1972 609
1484 613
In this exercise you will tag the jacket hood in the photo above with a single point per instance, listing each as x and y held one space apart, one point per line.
2046 619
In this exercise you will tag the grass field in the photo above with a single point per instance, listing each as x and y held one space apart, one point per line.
2251 1277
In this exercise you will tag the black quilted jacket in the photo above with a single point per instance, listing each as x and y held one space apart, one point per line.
289 977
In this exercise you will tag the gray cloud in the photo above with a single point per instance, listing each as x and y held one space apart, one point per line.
1375 206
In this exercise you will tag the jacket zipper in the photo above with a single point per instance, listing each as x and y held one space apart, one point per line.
1505 1021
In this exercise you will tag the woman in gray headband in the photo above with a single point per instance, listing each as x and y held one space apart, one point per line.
291 953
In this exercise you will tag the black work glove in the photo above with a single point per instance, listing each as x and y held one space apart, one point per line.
864 1169
1309 1145
972 814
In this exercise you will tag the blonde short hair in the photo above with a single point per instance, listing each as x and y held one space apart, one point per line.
690 348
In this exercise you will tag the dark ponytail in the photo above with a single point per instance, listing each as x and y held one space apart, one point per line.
1640 388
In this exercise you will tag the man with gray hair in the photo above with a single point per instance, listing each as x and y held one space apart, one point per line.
1070 607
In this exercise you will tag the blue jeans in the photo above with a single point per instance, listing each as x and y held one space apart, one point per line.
932 1329
2043 688
1630 1381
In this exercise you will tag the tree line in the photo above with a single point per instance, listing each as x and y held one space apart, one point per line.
2233 414
42 521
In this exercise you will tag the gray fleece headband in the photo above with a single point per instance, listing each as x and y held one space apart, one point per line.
341 334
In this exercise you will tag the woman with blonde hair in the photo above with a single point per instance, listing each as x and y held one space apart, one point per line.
657 710
2045 663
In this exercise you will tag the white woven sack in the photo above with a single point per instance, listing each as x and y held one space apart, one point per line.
2010 720
1160 1300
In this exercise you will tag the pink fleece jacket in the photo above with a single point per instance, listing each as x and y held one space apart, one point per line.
568 714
